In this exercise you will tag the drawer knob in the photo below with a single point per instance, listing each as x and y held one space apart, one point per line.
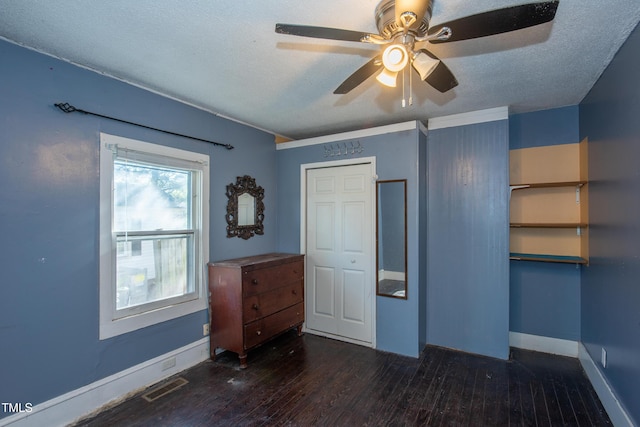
258 332
294 292
255 306
254 281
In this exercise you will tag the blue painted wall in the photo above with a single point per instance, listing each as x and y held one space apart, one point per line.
396 158
49 205
609 117
468 244
544 297
546 127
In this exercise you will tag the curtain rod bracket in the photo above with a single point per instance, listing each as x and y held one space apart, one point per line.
68 108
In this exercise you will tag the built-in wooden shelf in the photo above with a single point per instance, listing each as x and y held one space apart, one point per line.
547 225
547 184
549 198
547 258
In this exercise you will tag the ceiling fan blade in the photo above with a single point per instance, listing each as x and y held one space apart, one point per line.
498 21
359 76
321 32
416 7
441 78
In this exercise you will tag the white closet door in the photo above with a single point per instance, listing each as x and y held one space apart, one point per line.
340 279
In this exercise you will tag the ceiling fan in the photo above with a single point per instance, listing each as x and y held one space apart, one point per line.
403 24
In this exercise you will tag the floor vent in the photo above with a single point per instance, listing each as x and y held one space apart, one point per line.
164 389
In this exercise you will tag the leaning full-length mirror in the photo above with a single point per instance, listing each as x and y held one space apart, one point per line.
391 238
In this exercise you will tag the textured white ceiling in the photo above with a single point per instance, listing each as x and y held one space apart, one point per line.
225 57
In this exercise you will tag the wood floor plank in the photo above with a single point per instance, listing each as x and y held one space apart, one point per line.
407 406
310 380
431 382
461 389
520 377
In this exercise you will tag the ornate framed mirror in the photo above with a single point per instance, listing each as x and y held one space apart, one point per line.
245 208
391 238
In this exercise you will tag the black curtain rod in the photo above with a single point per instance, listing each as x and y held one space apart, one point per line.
67 108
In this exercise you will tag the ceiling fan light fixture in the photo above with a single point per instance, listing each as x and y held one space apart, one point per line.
387 78
395 57
424 64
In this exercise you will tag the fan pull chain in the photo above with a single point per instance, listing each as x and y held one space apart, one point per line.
410 87
404 103
404 84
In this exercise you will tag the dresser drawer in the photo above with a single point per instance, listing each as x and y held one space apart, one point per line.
264 304
264 279
261 330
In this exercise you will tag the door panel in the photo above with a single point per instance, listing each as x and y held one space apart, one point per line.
354 184
325 222
352 227
323 295
339 251
353 296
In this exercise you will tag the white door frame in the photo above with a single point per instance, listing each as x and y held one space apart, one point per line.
303 229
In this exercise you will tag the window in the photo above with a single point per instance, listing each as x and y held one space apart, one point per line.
153 233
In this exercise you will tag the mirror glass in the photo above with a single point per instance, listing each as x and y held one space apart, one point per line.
391 238
245 208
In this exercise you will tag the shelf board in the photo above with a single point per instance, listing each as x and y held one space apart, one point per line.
547 225
547 184
547 258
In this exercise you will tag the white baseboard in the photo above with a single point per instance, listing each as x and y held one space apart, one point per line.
77 404
616 412
543 344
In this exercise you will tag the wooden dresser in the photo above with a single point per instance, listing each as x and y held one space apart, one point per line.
253 299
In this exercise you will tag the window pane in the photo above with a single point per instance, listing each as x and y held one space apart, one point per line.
151 197
159 270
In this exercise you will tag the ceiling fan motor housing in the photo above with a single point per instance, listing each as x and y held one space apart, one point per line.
389 28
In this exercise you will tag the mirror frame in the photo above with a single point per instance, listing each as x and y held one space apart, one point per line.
406 282
244 184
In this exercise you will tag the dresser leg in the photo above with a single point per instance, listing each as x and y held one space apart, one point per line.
299 328
243 360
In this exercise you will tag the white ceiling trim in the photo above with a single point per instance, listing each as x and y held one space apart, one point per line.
470 118
363 133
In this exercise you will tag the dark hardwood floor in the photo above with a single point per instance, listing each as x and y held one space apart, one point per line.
309 380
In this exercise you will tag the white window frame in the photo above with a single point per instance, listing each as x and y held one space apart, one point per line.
112 324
